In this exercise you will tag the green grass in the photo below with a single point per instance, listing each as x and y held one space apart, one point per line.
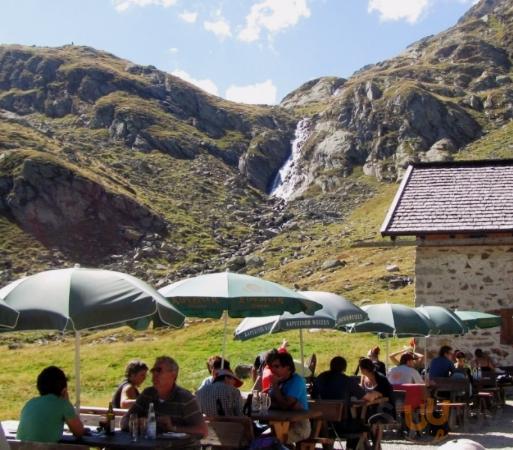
102 364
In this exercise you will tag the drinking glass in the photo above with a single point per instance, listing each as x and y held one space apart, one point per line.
265 402
255 402
133 425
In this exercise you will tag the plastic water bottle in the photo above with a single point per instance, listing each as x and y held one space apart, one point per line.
151 424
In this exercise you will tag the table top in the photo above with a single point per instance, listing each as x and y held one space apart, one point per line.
286 416
122 439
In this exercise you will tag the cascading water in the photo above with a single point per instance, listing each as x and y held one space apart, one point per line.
290 175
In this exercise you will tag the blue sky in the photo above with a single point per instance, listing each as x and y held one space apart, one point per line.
254 51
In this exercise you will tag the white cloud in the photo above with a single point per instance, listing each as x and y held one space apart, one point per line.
206 84
258 93
123 5
188 16
273 16
173 50
409 10
220 27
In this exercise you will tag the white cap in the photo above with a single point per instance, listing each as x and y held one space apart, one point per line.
461 444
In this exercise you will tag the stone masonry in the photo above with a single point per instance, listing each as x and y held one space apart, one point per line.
467 277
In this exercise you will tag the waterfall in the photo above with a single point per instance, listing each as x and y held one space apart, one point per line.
289 176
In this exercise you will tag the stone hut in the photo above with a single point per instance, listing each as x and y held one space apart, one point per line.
461 214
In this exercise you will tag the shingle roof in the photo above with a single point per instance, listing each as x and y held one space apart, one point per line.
453 197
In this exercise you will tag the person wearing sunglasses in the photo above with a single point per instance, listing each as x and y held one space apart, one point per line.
176 408
288 392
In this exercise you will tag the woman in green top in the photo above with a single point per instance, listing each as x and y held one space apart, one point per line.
42 418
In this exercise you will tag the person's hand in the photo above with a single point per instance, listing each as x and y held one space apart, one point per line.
284 343
64 393
165 423
275 381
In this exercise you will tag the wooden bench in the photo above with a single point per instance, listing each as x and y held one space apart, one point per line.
228 432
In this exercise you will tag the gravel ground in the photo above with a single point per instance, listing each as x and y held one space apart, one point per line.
493 433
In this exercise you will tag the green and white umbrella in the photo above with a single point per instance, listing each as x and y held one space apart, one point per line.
336 311
478 320
444 321
390 319
79 299
8 315
236 295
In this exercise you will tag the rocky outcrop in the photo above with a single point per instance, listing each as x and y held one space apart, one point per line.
63 208
313 91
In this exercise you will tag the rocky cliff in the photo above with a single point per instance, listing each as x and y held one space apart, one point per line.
442 93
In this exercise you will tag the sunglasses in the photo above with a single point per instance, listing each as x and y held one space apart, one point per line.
157 369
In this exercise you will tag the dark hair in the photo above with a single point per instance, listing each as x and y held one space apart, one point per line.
459 355
479 353
338 364
134 367
51 380
285 359
270 356
215 363
405 357
367 364
444 349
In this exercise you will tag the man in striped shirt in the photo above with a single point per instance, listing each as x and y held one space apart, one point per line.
175 407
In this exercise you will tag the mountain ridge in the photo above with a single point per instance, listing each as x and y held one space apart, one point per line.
106 162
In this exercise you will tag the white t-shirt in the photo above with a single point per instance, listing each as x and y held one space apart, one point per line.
404 374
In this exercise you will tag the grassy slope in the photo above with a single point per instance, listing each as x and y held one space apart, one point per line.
103 360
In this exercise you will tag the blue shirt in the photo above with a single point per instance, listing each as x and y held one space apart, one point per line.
440 367
295 387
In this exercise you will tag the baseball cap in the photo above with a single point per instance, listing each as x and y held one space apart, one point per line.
229 373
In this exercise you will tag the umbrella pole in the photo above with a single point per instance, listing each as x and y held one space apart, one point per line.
225 317
77 371
302 352
425 357
387 351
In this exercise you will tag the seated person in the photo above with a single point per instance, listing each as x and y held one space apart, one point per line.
334 384
42 418
214 364
127 392
405 373
374 381
267 373
442 365
483 361
373 355
176 408
222 397
288 392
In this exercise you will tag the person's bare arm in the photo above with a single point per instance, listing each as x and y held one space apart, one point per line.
128 396
283 401
76 426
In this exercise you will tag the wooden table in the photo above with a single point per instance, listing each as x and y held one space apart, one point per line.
280 420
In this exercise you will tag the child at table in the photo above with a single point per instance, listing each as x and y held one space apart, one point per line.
42 418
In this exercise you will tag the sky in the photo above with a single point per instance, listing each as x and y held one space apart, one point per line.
250 51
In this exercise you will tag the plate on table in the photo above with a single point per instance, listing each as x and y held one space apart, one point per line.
173 435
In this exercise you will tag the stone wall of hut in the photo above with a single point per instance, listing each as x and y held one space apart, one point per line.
468 277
